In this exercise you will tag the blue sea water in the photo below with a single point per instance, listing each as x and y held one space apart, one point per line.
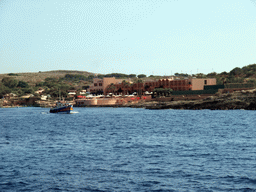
125 149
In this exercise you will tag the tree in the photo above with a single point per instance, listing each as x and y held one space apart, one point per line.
112 87
146 87
90 77
132 75
22 84
253 81
162 91
40 84
181 74
223 73
28 90
50 79
13 74
249 73
230 78
49 84
100 76
125 83
78 91
219 80
142 76
9 82
19 92
213 74
200 75
238 80
236 71
56 92
4 90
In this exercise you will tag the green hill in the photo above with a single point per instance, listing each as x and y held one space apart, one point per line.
64 80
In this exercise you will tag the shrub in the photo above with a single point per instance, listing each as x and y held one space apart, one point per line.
4 90
28 90
236 71
142 76
22 84
9 82
132 75
13 74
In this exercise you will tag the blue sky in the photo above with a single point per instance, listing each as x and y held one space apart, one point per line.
158 37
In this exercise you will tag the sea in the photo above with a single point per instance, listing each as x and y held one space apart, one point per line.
127 149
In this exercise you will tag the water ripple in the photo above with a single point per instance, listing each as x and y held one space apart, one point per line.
121 149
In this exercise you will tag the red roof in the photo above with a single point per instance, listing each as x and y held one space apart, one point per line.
80 96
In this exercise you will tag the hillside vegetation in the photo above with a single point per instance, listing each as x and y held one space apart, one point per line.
33 78
246 74
64 80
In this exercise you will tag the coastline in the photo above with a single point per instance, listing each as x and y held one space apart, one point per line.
245 100
237 100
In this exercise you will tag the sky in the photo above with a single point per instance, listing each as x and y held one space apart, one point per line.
152 37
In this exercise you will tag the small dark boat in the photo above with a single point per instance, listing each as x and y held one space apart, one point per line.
62 107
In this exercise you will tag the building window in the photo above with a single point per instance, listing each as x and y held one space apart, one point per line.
95 84
100 84
205 82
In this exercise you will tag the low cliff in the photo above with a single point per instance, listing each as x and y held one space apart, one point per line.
237 100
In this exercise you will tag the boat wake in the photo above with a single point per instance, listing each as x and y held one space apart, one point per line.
73 112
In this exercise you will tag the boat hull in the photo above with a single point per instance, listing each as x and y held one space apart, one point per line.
66 109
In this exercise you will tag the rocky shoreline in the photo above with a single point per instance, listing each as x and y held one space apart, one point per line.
238 100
